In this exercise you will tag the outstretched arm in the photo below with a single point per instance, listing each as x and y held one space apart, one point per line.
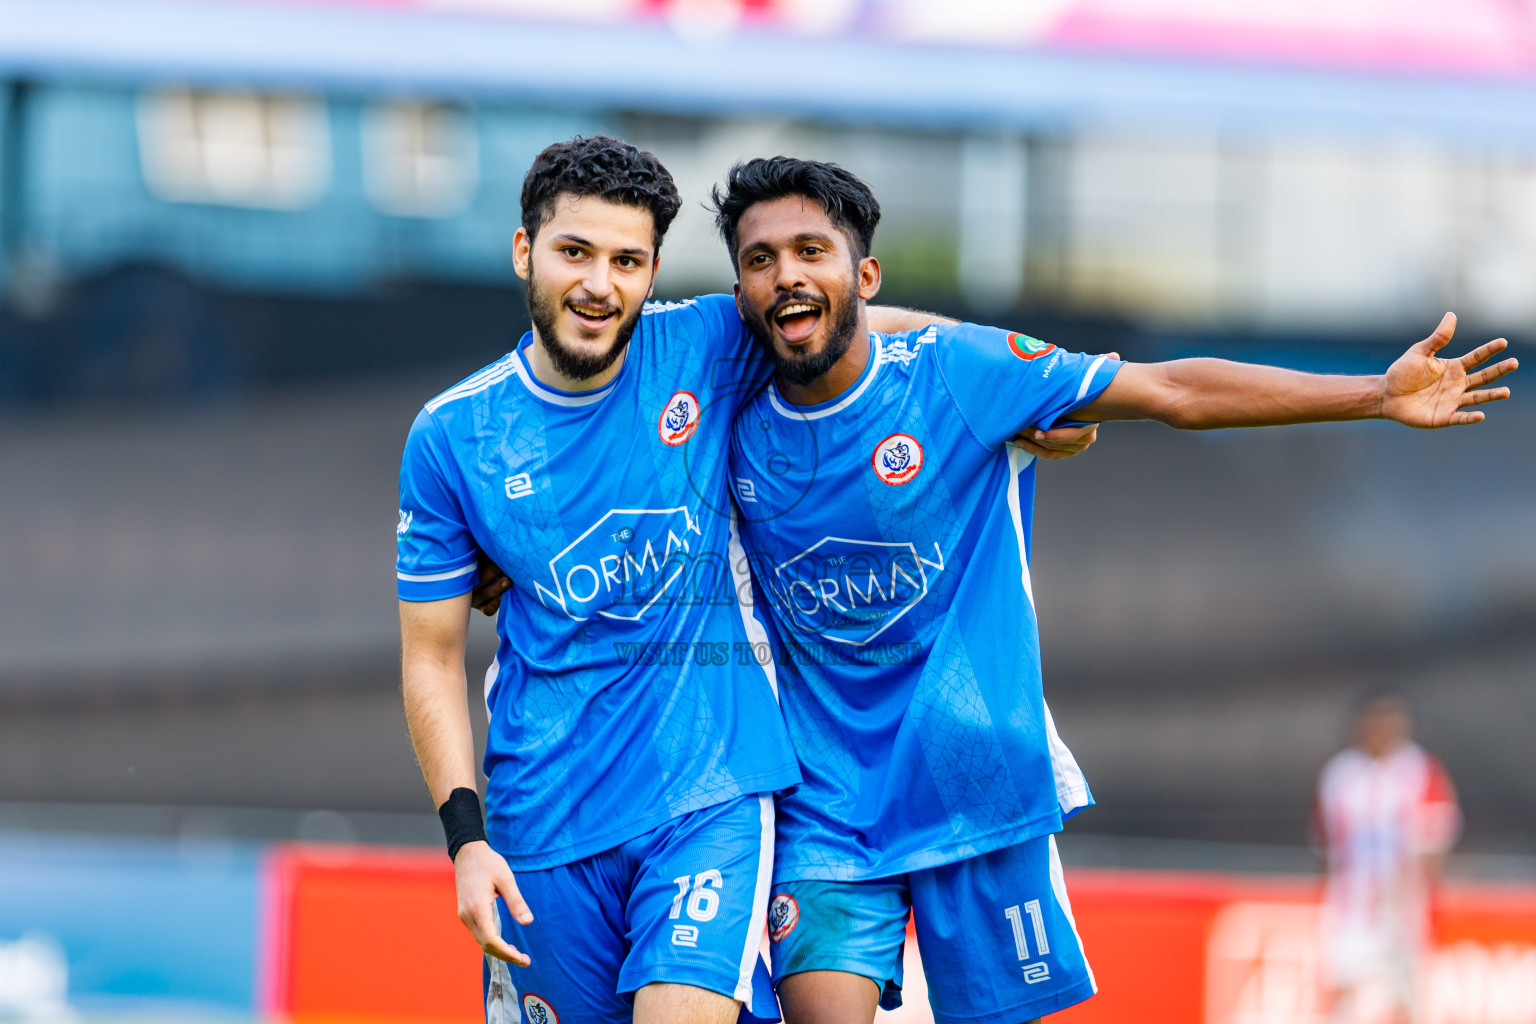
432 681
1420 390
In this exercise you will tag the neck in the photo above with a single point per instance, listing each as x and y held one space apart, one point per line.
545 373
843 375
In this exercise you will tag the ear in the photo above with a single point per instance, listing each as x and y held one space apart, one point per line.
869 278
655 269
522 251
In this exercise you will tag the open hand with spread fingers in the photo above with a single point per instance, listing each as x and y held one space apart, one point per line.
1423 390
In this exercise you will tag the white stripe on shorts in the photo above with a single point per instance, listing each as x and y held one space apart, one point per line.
759 903
1059 887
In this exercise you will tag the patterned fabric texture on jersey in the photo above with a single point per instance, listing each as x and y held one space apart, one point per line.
626 690
890 527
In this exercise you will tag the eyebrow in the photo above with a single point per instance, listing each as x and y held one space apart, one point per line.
578 240
800 239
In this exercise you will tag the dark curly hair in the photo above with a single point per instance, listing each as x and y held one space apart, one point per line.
845 198
604 167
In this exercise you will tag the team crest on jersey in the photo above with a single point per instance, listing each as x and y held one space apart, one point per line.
1027 348
783 915
679 419
897 459
537 1011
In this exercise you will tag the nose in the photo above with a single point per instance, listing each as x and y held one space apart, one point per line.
599 280
789 275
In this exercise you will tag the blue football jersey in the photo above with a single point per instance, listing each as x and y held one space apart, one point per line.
628 688
890 528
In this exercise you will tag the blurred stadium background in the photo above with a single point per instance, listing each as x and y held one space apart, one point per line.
242 241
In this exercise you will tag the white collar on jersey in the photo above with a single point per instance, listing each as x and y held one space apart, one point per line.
520 365
797 412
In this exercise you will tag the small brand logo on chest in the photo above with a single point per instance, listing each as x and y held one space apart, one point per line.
518 485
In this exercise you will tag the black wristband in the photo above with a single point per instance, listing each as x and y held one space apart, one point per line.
462 823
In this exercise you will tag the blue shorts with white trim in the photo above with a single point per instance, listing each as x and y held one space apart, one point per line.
683 903
995 932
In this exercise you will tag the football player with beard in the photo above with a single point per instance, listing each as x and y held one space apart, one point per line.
889 524
634 743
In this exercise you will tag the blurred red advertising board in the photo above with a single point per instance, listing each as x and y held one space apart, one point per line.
1245 950
365 934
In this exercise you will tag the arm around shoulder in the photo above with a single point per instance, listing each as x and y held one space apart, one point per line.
895 319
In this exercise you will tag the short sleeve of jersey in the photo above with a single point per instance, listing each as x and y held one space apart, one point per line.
721 320
1003 382
436 553
739 366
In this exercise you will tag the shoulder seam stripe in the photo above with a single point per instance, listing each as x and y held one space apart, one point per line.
665 307
491 376
475 378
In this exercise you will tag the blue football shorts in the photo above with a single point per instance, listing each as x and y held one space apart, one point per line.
683 903
995 932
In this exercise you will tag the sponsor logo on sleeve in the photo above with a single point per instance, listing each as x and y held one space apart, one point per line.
537 1011
403 527
897 459
679 419
783 915
1027 348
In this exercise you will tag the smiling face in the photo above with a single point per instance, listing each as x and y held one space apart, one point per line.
589 270
801 287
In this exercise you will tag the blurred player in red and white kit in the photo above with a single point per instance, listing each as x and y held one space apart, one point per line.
1385 816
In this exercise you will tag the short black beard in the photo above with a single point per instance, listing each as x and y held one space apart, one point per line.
802 371
543 311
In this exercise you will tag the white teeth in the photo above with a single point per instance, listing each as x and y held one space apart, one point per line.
795 310
589 311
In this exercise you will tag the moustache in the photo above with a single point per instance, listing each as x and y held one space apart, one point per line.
791 299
